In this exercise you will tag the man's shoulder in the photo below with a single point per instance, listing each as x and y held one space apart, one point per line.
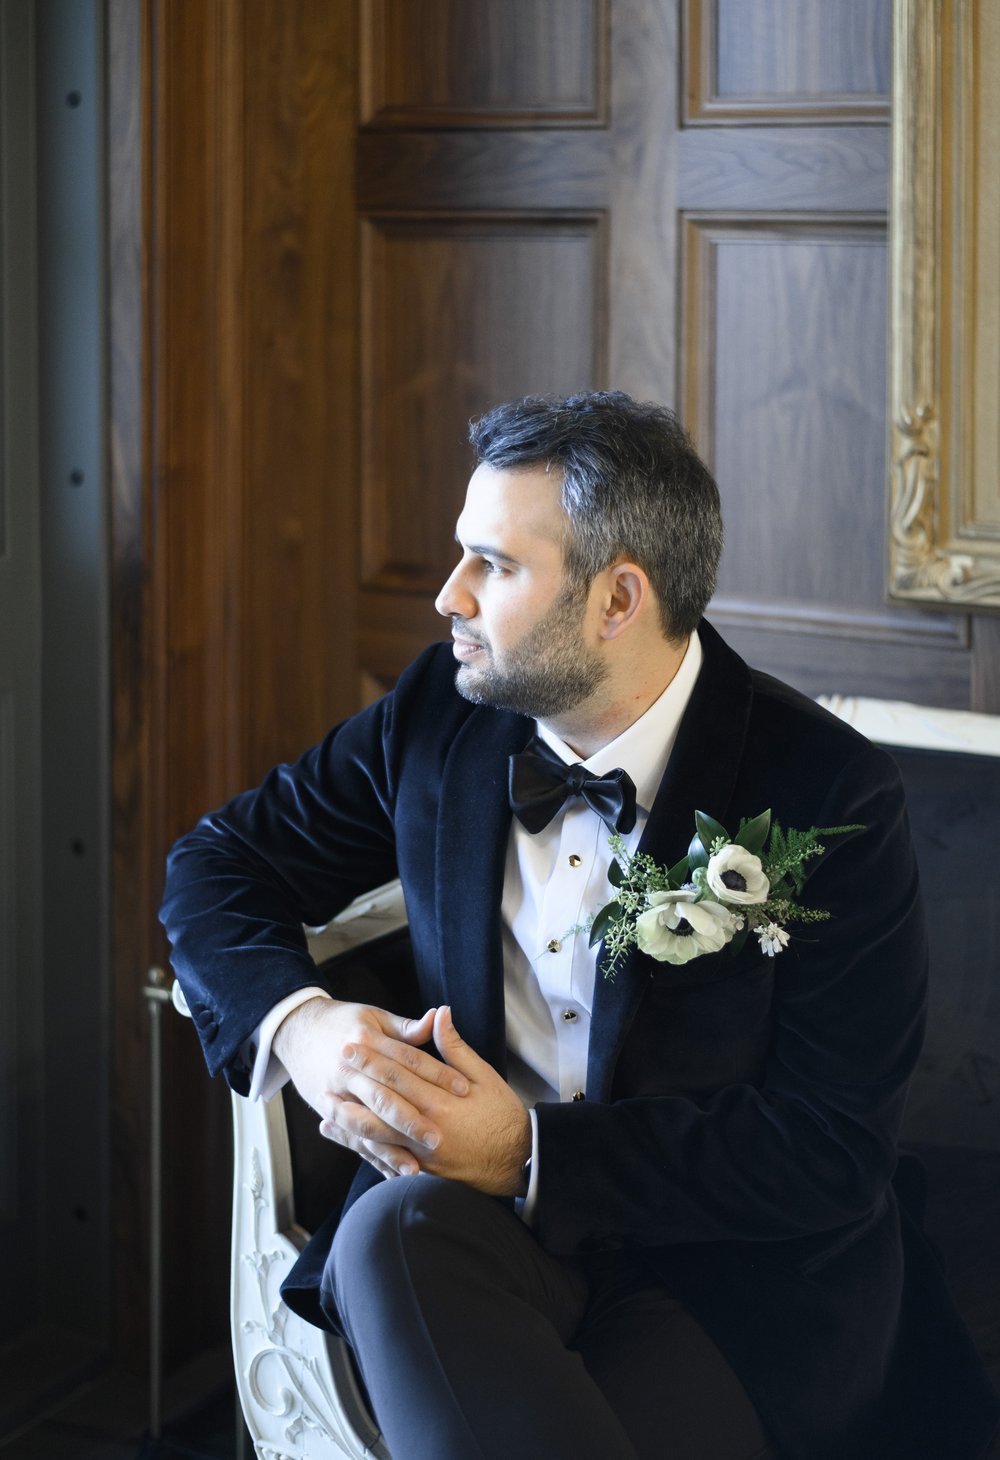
813 747
785 724
781 702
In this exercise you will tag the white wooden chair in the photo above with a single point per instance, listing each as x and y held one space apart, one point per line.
300 1397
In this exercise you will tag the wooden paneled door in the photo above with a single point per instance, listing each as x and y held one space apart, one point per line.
685 200
371 219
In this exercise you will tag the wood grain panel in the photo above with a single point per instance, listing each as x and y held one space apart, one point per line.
823 168
818 664
373 686
985 694
395 626
460 313
782 62
298 358
785 390
230 550
484 63
643 201
830 621
192 554
422 170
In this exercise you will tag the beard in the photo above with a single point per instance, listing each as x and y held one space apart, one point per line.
549 672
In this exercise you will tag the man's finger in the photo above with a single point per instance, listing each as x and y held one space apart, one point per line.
390 1061
392 1159
349 1123
381 1114
415 1076
453 1049
410 1031
388 1160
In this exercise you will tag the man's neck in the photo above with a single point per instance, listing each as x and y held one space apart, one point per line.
588 727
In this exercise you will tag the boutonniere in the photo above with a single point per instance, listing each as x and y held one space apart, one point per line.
721 891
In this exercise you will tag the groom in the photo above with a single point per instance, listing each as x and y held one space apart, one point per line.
649 1214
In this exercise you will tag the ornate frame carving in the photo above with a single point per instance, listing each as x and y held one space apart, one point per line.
299 1396
944 504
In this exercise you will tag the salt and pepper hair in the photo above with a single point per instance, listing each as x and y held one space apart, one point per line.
633 487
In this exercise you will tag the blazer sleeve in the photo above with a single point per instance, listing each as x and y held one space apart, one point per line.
296 850
812 1147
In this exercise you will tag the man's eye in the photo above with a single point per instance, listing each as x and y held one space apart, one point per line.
495 570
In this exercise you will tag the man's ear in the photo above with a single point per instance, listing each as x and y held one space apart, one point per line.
627 597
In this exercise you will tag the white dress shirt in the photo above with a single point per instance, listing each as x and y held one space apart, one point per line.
555 881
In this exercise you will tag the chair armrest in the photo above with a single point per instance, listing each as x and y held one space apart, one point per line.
296 1383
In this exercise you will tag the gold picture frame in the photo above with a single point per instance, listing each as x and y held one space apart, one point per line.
944 386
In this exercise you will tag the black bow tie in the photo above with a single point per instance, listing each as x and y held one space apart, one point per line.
540 782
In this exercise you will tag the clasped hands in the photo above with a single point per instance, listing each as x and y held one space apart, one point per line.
378 1093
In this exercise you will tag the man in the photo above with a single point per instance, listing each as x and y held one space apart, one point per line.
600 1217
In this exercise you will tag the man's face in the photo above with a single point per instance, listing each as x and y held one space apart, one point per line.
520 633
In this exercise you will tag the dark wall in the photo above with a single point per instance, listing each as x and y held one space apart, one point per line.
953 1114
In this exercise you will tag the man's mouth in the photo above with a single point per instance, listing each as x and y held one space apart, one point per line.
466 648
466 645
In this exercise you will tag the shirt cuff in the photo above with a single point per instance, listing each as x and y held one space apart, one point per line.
269 1074
525 1205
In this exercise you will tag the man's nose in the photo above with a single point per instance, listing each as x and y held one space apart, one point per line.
455 600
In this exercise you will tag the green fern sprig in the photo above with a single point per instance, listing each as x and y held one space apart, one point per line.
784 910
790 850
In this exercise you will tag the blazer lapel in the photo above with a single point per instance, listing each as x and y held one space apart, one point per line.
700 775
473 829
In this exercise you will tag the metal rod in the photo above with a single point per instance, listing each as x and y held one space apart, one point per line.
156 996
242 1437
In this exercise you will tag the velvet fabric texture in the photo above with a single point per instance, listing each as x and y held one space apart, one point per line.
740 1125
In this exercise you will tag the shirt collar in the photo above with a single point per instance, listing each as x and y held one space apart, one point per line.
644 748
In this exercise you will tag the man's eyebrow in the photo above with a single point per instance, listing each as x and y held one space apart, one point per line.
483 550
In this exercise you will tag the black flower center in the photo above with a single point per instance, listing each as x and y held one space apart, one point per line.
683 928
735 881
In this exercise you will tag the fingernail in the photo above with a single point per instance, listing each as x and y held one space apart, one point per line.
407 1170
460 1087
432 1140
348 1051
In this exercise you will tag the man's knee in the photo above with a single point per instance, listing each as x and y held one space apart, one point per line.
399 1211
403 1225
421 1234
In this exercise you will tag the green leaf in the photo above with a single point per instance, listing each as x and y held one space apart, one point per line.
608 914
615 873
678 874
753 835
709 830
697 855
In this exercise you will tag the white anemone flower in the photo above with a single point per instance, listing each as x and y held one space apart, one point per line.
736 875
772 939
675 928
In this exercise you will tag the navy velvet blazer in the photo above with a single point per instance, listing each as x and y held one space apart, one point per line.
740 1125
